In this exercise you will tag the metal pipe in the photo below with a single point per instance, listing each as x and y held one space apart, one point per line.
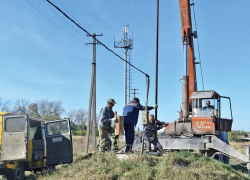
89 112
185 59
142 144
156 71
185 97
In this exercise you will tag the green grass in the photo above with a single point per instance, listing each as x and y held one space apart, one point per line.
175 165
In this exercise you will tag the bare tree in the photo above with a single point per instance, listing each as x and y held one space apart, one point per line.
33 108
78 116
50 108
21 106
71 115
43 107
5 106
57 108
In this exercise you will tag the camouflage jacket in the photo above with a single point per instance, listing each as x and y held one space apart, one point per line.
106 114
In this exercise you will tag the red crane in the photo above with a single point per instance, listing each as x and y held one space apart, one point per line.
201 113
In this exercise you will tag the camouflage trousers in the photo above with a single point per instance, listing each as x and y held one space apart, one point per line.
103 138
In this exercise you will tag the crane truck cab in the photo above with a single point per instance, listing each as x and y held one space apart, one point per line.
30 144
208 120
203 120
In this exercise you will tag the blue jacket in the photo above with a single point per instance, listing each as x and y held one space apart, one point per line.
131 112
105 117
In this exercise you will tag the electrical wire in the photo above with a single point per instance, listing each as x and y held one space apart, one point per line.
55 23
64 20
94 37
198 45
69 12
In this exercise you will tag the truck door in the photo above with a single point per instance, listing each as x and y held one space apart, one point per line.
58 142
14 137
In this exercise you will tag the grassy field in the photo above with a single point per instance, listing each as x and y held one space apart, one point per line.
174 165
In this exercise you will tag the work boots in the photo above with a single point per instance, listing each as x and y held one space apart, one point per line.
128 149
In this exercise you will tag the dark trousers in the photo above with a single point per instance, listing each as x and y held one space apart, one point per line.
129 134
155 142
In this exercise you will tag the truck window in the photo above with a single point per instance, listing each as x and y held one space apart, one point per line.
205 107
35 130
16 124
57 128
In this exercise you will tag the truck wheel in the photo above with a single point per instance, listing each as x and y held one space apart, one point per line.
17 174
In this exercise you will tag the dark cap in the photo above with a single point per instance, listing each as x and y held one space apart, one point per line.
137 100
111 100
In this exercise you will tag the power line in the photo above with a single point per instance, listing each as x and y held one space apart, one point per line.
64 20
55 23
198 46
94 37
69 12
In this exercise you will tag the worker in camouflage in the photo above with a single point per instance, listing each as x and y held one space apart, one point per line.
106 116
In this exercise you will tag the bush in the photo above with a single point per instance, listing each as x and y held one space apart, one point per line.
79 133
236 135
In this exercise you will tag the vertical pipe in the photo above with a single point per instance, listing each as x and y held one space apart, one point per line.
125 77
185 94
89 111
185 60
142 144
156 71
185 97
94 98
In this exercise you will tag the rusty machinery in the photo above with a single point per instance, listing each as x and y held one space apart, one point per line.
196 118
199 126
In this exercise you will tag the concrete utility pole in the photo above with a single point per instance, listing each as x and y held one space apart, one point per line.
127 44
92 99
134 92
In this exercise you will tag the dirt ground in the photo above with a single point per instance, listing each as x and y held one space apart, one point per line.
79 145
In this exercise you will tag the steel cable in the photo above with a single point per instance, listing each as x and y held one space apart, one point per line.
55 23
95 37
198 45
65 21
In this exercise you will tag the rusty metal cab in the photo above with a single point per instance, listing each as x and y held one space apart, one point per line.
203 120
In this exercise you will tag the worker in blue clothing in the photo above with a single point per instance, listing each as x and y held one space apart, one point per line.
130 113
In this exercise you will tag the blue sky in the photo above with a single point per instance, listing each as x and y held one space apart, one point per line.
41 61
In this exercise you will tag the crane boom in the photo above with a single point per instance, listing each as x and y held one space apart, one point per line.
186 31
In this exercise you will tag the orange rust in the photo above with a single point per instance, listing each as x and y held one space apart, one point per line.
186 30
170 129
203 125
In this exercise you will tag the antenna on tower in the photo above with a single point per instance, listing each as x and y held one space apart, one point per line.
127 44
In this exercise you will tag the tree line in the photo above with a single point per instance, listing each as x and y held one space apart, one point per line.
49 110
